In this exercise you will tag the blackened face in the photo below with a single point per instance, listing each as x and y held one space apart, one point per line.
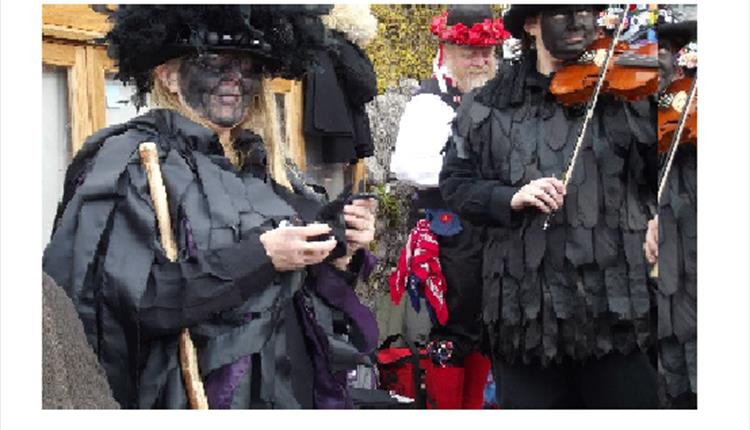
219 86
568 30
666 65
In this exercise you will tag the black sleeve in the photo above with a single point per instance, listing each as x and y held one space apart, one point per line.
356 73
356 267
184 293
181 293
481 201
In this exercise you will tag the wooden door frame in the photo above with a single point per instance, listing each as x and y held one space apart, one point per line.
86 66
69 40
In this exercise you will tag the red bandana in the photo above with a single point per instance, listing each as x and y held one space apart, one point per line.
419 256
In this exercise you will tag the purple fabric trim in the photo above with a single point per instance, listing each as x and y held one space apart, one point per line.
332 288
80 179
368 265
221 383
191 249
328 391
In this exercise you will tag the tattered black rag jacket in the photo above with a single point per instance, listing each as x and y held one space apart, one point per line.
579 288
247 321
677 296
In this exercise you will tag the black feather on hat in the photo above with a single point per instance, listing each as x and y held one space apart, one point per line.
281 36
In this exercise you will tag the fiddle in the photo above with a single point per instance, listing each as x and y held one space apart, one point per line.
598 84
631 75
686 109
671 105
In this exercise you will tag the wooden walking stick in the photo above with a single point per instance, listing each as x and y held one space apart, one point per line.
188 354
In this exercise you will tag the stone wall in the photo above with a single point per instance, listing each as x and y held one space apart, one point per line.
395 198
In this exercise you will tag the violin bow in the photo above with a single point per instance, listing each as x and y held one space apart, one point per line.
664 174
590 107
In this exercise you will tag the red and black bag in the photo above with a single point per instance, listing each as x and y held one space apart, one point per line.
402 370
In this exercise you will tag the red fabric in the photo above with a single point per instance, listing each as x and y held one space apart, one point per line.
477 367
420 256
389 355
490 32
398 376
445 387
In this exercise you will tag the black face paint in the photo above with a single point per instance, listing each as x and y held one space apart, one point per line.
219 86
568 30
666 67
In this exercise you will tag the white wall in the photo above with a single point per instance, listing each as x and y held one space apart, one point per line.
119 107
55 143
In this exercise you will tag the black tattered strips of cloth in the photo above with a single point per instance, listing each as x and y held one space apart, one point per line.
578 289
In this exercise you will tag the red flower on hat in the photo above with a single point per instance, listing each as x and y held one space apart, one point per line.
446 217
486 33
438 23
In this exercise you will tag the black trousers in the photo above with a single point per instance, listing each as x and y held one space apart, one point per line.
461 261
615 381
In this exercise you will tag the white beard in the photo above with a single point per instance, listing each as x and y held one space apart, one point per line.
473 80
467 80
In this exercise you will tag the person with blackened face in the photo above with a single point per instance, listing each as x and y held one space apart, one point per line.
261 278
671 239
565 307
218 86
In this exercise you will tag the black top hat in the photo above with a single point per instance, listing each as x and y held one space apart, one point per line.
515 17
679 33
281 36
469 14
677 24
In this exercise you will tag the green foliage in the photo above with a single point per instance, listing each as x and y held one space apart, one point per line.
404 46
388 204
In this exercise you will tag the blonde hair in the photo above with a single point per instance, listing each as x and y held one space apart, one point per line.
262 118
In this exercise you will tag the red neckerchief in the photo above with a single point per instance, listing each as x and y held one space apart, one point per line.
420 256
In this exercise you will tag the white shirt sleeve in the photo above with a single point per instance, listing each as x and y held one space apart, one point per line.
424 129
